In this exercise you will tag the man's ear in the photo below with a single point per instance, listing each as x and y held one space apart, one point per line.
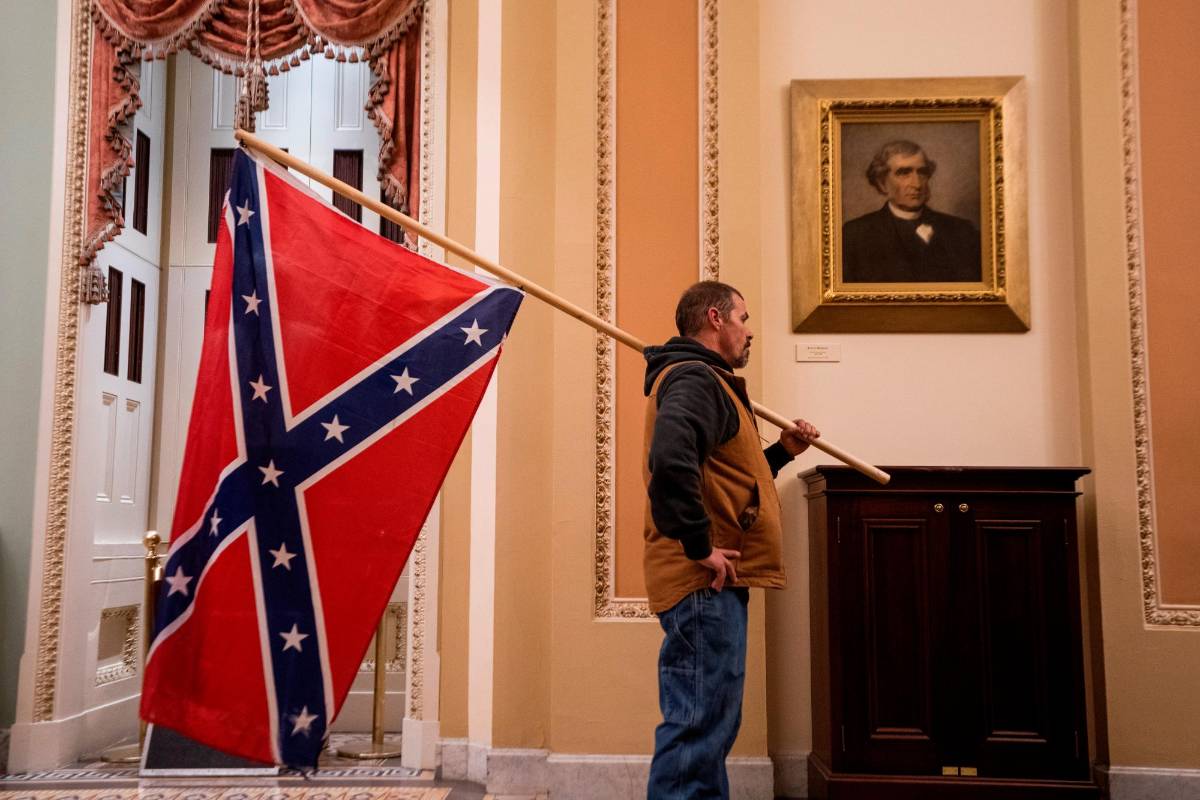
714 316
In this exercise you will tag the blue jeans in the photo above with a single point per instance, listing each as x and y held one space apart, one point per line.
701 669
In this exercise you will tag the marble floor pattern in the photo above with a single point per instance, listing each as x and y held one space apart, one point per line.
251 792
336 778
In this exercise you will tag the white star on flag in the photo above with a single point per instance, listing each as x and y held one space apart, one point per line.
213 522
244 213
179 582
334 430
260 389
303 721
404 382
292 639
252 301
282 557
474 333
270 474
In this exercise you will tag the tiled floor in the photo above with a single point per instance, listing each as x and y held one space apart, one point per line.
336 778
249 792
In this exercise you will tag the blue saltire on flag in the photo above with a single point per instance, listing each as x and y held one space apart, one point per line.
338 376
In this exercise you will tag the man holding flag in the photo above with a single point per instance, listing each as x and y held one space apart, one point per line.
712 530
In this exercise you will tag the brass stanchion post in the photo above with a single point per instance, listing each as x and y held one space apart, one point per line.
376 748
132 753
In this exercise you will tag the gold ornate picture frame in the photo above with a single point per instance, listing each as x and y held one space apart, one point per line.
871 253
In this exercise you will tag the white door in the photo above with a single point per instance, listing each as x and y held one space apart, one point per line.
345 143
123 404
117 384
204 144
124 407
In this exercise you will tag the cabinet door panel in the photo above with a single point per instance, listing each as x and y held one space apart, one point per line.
1026 720
891 597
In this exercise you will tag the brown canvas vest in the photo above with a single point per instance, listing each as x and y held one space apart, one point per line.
738 491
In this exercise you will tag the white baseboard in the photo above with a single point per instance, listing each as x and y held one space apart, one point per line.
477 762
454 759
511 771
517 771
791 774
37 746
1151 783
419 743
63 742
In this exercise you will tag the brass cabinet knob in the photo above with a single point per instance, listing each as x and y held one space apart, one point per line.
938 507
963 507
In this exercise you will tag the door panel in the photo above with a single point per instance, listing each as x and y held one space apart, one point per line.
340 125
124 404
150 122
204 123
1027 697
890 634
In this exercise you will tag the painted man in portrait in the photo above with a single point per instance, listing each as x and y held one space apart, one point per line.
905 240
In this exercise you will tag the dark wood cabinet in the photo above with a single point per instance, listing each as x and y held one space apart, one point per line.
946 638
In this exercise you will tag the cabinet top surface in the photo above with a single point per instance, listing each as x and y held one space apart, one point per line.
842 478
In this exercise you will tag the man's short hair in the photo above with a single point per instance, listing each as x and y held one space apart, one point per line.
692 311
900 147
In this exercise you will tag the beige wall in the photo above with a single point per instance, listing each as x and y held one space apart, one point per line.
523 483
455 575
959 399
1057 395
1168 72
1153 698
658 227
562 679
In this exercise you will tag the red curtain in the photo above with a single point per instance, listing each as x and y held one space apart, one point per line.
388 32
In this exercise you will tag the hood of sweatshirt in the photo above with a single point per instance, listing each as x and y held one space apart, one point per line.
678 348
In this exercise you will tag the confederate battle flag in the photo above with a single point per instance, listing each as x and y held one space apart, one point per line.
338 377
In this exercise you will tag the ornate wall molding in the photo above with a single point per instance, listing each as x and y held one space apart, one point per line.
418 571
126 665
1154 610
395 640
416 625
606 604
426 181
710 242
62 433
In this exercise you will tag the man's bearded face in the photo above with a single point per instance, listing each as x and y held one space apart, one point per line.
736 335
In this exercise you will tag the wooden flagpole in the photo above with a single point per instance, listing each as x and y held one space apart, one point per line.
529 287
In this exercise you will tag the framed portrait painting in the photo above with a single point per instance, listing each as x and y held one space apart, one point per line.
908 205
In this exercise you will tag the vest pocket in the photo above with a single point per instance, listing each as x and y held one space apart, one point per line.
749 514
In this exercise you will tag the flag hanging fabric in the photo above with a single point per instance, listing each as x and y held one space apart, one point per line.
338 376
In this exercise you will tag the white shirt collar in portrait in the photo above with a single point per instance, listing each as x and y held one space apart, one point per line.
924 230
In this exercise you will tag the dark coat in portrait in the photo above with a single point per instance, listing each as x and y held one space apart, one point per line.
882 248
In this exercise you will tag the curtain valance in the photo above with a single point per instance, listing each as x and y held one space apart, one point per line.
385 32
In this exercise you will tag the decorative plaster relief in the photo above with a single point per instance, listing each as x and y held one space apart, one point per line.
1155 611
606 604
117 625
